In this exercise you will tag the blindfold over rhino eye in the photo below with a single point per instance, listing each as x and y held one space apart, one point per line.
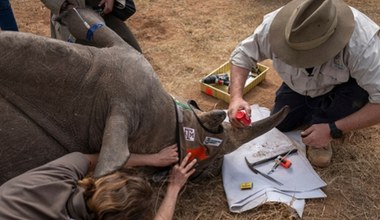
192 104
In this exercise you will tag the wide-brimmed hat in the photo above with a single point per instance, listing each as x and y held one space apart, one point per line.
307 33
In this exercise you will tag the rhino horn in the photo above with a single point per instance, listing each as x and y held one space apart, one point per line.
239 136
212 119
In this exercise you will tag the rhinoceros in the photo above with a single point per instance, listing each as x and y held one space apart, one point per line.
57 97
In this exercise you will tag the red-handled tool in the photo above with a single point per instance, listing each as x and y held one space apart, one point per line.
282 161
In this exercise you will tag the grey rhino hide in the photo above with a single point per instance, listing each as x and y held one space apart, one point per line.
57 97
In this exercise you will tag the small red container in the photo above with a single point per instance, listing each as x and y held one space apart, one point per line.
240 115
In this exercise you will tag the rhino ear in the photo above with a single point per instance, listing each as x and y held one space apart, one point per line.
212 120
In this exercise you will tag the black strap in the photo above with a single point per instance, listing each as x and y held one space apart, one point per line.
177 139
192 104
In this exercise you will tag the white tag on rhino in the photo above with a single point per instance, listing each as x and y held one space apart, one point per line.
212 141
189 133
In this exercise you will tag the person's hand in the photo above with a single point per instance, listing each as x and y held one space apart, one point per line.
68 4
166 156
108 6
234 107
317 135
180 173
177 179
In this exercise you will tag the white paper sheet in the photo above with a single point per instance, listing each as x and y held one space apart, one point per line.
300 181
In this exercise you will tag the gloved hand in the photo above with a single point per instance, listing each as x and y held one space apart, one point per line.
69 4
107 6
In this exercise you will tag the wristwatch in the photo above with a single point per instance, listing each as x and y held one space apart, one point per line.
334 131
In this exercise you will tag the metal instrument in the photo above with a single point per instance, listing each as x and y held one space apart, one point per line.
262 174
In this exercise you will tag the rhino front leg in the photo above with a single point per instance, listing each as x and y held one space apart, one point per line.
114 152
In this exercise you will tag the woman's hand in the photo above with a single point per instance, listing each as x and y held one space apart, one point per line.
166 156
177 179
180 173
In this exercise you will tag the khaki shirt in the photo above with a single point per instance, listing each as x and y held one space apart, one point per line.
360 59
47 192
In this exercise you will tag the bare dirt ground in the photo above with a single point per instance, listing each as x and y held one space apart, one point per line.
184 40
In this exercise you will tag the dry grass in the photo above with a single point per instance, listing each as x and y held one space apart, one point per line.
184 40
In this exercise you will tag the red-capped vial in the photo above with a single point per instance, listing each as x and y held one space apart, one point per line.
240 115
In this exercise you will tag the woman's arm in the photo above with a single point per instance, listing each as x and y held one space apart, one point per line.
165 157
177 179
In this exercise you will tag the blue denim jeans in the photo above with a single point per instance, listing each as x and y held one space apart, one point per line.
340 102
7 19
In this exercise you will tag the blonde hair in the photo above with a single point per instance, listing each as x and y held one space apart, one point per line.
119 196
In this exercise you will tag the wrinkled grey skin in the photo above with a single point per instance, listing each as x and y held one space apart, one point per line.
57 97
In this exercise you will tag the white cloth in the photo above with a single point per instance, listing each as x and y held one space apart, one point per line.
300 181
360 59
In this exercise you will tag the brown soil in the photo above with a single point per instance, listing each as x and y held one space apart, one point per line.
185 40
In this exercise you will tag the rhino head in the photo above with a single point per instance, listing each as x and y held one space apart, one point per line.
208 136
